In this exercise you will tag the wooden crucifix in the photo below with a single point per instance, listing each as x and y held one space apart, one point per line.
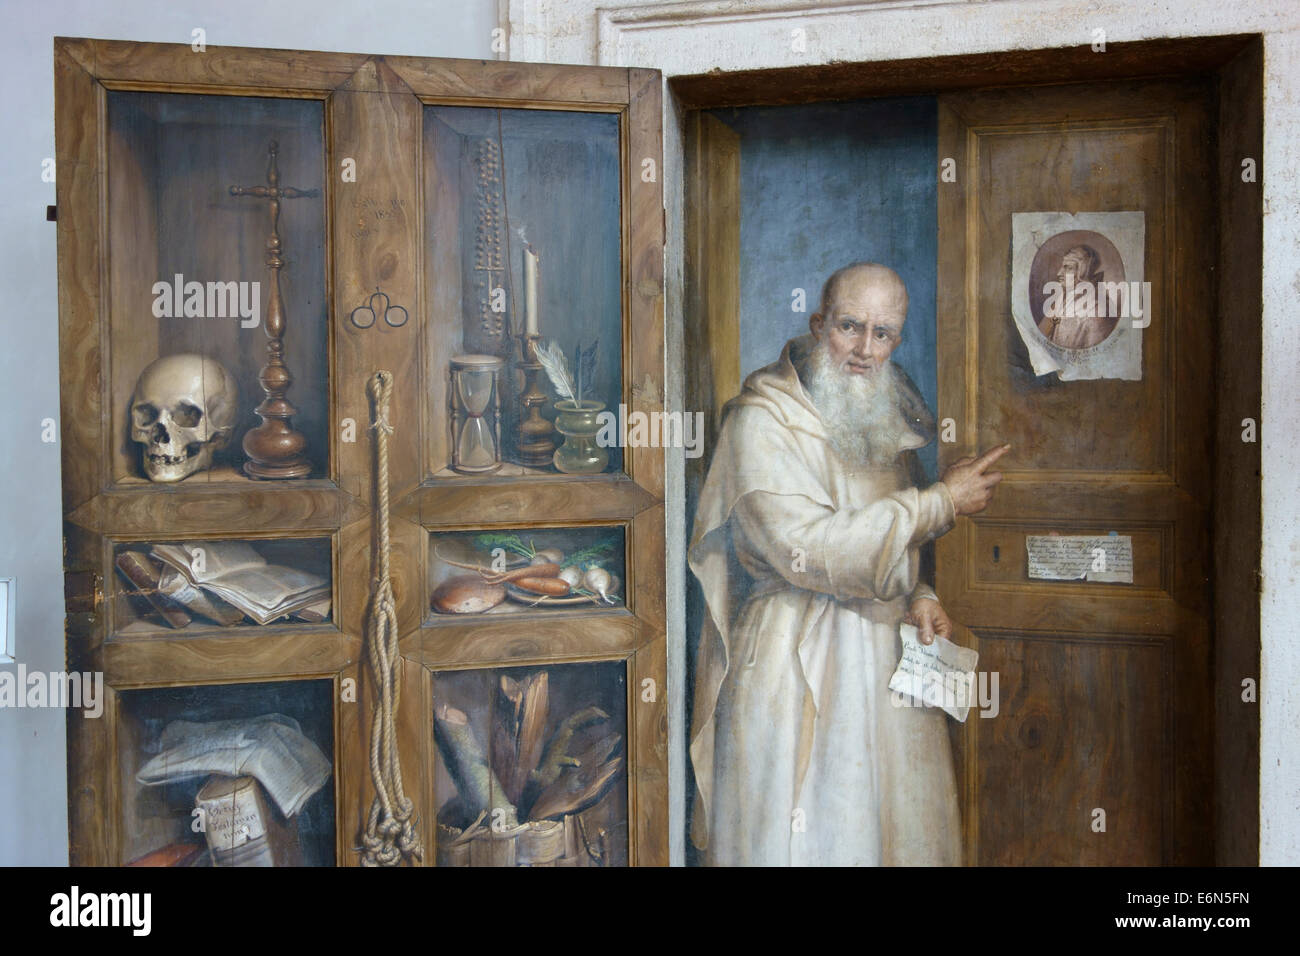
274 448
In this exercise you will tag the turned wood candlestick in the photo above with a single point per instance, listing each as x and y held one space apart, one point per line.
275 448
536 444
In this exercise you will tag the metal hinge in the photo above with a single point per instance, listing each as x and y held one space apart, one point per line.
83 591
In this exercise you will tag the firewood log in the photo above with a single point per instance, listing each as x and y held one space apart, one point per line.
517 731
478 787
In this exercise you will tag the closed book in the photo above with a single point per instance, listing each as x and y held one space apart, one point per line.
241 827
143 573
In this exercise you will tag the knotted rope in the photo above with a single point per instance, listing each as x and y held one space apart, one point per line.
390 835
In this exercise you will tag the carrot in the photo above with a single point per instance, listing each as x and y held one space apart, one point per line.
548 570
551 587
530 571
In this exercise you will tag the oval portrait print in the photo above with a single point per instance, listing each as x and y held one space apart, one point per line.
1071 288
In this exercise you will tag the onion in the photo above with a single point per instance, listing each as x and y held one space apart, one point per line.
547 556
598 580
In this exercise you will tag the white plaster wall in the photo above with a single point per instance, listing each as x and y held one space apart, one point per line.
33 792
695 37
729 35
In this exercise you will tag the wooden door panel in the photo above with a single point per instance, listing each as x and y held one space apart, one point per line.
1054 425
1085 730
1105 701
1004 544
375 240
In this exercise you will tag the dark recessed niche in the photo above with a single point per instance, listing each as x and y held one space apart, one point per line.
502 185
175 588
196 282
532 765
538 571
253 762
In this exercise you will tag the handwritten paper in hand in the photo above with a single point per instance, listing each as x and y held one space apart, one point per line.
941 674
1081 557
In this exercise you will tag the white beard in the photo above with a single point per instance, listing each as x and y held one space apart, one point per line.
860 412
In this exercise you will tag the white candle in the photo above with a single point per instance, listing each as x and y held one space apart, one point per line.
530 291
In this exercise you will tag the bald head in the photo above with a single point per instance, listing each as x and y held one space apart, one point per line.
869 283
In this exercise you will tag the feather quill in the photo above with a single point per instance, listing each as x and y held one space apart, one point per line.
557 369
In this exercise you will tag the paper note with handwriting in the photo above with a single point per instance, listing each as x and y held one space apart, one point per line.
1080 557
940 675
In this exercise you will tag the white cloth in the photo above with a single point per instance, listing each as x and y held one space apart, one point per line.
807 567
271 748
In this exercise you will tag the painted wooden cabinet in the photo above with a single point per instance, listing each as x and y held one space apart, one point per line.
246 237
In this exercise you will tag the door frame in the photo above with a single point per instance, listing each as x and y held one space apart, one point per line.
1234 62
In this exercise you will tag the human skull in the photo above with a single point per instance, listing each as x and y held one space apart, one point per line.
182 411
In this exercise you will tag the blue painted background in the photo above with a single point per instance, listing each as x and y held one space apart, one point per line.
823 185
826 184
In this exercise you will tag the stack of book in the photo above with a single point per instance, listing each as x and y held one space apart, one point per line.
223 582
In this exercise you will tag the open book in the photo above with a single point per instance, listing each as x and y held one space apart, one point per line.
234 573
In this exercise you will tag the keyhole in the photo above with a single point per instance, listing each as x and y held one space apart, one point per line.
996 554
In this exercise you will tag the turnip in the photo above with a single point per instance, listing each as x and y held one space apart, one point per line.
598 580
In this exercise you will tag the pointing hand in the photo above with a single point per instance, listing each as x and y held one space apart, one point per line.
971 484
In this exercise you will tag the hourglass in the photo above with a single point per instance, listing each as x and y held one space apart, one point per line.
475 414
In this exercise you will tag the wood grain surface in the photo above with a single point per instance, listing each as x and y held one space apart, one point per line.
372 114
1105 697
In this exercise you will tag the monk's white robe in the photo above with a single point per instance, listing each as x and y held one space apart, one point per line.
807 567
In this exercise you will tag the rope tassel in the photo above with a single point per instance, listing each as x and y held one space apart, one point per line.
390 836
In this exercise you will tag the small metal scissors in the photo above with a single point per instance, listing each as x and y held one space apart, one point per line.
385 308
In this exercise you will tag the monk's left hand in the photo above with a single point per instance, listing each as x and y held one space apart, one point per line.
929 619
